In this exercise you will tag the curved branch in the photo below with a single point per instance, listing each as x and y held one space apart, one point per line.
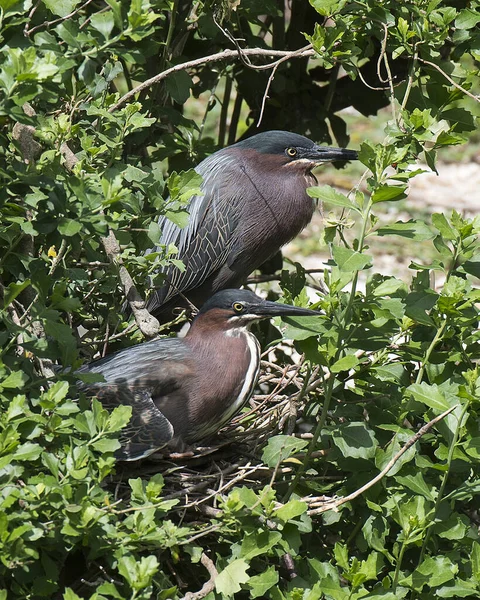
225 54
207 587
334 503
448 78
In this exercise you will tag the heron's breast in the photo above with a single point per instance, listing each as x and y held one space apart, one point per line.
226 375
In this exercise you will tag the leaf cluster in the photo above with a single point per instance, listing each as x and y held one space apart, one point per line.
76 163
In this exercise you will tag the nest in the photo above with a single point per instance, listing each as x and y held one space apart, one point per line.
203 475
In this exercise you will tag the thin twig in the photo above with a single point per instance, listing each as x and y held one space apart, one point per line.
410 79
448 78
333 504
28 32
267 88
56 260
225 54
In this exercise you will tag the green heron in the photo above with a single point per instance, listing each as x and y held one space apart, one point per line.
184 390
254 201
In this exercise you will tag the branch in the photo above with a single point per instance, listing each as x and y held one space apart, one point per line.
448 78
147 323
333 504
27 32
207 587
23 134
225 54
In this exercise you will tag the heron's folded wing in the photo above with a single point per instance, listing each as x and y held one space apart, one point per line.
205 243
142 365
148 429
132 376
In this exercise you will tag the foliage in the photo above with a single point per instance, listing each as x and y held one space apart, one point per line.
383 361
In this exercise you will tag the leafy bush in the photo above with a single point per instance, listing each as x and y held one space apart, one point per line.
294 505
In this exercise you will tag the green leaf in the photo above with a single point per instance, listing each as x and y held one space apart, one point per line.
119 417
69 227
355 440
417 305
27 451
182 186
228 581
350 260
13 290
260 584
15 380
329 194
467 18
414 230
460 589
61 7
139 573
385 193
105 445
340 552
472 266
327 7
178 85
430 395
302 328
475 560
293 508
446 230
345 364
134 174
103 22
57 392
154 232
434 571
69 594
259 543
280 447
417 484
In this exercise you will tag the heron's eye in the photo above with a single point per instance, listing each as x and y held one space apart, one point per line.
292 152
238 307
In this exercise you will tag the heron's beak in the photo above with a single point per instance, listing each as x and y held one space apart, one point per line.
274 309
319 154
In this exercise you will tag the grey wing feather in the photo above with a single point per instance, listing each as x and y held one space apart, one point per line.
124 366
205 243
133 377
148 429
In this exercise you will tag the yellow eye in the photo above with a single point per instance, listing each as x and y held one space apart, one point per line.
237 306
292 152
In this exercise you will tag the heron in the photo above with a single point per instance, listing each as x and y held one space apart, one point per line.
253 202
183 390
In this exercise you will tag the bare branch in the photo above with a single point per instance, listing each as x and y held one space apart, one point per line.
225 54
334 503
147 324
28 32
207 587
23 134
448 78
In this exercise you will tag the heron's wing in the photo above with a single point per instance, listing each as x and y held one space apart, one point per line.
205 243
148 429
132 377
151 364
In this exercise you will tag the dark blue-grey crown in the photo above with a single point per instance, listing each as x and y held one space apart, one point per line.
275 142
225 299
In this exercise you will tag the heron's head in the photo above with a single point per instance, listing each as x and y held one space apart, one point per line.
292 150
232 309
